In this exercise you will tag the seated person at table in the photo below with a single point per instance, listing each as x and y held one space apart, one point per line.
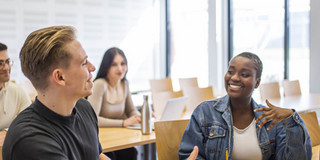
111 99
236 127
59 124
13 99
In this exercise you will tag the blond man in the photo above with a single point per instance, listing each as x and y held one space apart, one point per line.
60 124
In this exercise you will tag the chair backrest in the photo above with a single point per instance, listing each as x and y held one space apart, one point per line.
196 96
311 121
160 100
160 85
29 88
188 82
269 90
168 138
291 88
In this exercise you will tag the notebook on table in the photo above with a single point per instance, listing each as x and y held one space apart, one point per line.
172 111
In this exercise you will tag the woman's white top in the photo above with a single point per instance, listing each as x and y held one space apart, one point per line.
245 143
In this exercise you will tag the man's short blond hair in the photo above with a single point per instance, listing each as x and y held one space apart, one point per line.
43 51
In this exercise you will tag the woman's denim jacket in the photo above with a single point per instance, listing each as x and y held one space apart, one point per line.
210 128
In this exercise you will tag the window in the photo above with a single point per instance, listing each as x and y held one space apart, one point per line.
258 27
189 40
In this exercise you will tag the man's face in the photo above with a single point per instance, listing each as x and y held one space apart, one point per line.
5 68
77 76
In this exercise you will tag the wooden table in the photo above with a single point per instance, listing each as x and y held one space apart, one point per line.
315 152
300 103
113 139
2 136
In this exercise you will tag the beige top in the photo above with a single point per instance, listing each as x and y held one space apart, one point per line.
111 114
13 99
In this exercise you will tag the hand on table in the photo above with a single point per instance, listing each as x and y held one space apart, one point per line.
274 113
132 120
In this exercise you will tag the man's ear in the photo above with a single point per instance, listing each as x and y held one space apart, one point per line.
57 76
258 82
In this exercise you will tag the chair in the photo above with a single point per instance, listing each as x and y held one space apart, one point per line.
160 85
168 138
196 96
311 121
188 82
29 88
291 88
160 100
269 90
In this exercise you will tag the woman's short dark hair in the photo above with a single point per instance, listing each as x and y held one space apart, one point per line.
3 47
107 62
256 61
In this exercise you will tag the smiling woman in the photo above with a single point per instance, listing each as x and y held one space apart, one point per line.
223 126
111 99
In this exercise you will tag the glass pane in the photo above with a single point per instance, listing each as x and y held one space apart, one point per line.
299 42
189 40
259 28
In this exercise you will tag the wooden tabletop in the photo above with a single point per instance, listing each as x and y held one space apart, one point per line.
300 103
315 152
2 136
113 139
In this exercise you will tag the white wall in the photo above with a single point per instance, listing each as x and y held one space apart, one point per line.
101 24
314 46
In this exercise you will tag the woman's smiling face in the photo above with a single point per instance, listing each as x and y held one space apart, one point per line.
241 78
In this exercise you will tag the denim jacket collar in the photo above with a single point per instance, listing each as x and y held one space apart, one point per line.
262 133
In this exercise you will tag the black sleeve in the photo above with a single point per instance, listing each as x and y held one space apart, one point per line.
38 147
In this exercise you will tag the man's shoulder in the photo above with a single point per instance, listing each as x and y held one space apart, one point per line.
25 118
27 123
83 102
100 81
15 88
83 106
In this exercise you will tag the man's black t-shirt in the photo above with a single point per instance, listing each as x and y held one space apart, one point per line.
39 133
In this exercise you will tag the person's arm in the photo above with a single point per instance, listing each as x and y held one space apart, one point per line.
292 138
192 136
130 109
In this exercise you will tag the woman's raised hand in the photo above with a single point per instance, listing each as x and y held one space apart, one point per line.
274 113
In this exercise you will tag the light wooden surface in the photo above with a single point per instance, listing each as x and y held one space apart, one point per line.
160 85
291 88
311 121
196 96
269 90
300 103
315 152
188 82
2 136
160 100
169 135
113 139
